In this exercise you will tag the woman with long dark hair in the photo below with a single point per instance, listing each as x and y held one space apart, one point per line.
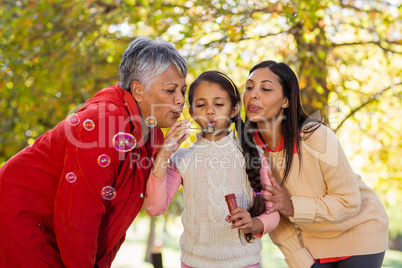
329 216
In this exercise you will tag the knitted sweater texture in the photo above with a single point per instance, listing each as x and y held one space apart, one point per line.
211 170
335 213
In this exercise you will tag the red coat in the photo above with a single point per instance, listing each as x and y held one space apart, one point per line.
50 217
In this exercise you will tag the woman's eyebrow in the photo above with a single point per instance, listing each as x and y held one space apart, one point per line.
168 84
263 81
267 81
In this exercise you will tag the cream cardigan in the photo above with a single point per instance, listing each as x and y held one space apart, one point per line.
335 213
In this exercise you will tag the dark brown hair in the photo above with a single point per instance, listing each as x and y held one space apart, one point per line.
295 120
249 150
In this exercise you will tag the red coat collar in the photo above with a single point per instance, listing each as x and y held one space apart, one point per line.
133 110
156 134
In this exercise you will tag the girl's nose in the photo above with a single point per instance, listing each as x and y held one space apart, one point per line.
210 110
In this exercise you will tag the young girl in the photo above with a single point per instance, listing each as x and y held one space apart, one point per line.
212 168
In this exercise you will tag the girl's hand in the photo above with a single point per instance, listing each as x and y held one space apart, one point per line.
245 223
174 138
279 198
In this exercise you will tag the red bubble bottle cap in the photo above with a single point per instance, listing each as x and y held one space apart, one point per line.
232 204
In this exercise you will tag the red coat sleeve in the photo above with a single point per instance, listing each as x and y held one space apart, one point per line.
80 205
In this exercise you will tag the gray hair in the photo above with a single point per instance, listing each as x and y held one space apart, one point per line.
144 59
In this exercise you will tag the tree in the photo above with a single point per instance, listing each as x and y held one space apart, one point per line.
347 54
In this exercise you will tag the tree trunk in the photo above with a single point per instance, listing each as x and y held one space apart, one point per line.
396 243
312 72
166 215
151 240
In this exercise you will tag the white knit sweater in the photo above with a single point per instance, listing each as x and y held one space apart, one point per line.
211 170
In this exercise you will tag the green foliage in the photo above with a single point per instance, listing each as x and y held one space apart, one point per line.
56 54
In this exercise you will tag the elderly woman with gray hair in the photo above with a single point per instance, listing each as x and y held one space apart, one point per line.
68 199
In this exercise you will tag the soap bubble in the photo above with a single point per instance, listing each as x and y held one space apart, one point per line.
103 160
124 142
73 119
108 193
71 177
170 144
210 129
112 107
88 124
151 121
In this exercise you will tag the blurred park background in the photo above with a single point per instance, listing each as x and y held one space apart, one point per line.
347 54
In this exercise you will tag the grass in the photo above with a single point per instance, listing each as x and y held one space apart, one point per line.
132 252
